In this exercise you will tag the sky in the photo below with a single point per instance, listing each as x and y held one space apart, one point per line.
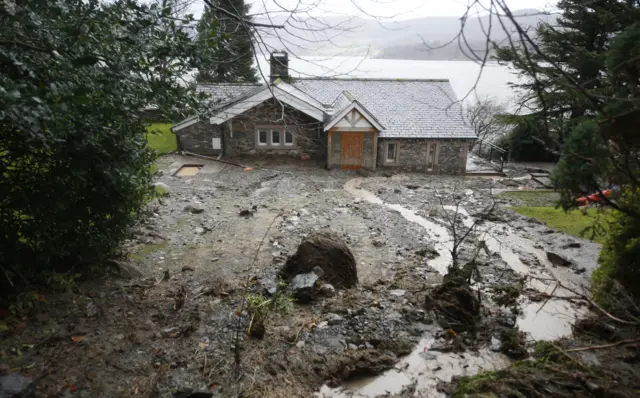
387 9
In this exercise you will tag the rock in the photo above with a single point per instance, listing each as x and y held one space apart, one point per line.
188 268
397 292
91 311
506 321
245 213
495 344
194 209
269 286
334 319
318 271
429 252
413 187
300 344
558 260
303 287
572 245
428 356
397 190
509 183
199 230
328 290
125 270
327 251
15 385
352 347
378 243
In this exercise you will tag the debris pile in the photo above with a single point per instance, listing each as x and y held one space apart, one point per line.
457 307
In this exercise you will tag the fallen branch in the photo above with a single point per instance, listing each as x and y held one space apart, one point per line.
195 155
599 347
592 303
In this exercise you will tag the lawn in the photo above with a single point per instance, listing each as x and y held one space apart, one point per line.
540 204
573 222
161 138
537 198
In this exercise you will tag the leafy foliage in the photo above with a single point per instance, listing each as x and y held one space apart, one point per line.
75 78
225 43
620 256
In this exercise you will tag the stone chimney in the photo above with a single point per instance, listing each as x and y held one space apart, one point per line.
279 66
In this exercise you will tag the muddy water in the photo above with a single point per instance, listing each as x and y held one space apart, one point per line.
425 369
436 232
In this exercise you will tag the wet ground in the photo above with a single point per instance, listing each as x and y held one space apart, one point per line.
226 231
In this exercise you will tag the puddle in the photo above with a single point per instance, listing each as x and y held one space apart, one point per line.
188 170
423 368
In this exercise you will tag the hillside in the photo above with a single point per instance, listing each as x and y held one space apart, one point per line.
393 39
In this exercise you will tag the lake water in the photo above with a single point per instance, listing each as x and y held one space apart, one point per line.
465 76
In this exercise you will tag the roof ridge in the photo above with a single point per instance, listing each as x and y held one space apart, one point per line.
229 84
379 79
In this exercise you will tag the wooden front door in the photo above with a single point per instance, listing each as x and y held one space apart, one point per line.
352 151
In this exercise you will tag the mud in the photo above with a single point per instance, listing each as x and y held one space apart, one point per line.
170 330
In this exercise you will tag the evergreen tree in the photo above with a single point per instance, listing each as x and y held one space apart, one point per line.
225 43
563 91
582 79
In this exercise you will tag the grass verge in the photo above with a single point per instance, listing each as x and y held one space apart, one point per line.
160 137
540 204
588 224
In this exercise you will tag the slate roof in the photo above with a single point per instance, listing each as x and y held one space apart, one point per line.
223 94
406 108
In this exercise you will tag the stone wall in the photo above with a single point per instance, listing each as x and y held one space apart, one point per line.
451 155
197 138
309 136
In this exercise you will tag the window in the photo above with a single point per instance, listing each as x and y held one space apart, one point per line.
262 137
391 155
288 138
275 137
432 155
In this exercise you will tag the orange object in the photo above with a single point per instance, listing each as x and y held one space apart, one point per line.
248 169
596 197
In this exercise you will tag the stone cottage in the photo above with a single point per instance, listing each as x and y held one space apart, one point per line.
349 123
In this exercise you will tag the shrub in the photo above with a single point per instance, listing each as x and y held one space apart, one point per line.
75 78
619 259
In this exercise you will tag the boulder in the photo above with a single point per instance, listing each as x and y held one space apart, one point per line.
15 385
558 260
328 290
194 209
125 270
328 252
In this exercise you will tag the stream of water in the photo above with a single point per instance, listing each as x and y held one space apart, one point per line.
425 368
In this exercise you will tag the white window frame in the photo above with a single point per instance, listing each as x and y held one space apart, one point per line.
386 153
293 139
271 143
282 135
266 143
